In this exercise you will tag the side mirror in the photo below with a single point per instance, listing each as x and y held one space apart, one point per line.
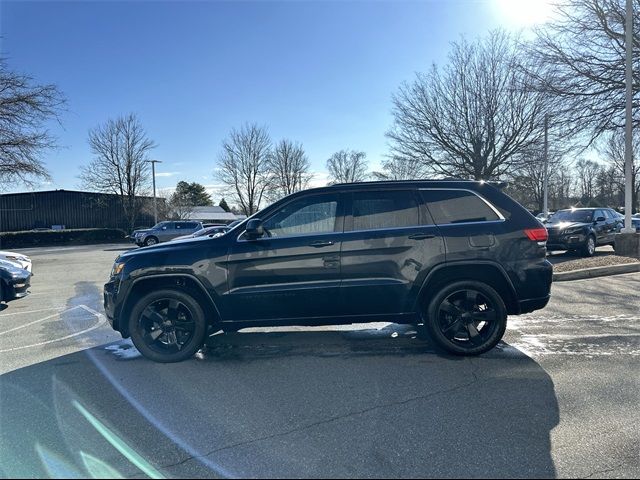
254 229
164 228
600 219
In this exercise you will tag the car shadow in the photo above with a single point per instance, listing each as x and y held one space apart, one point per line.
120 249
371 402
566 256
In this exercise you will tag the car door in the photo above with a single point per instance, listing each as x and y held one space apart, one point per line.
388 246
293 271
166 232
600 226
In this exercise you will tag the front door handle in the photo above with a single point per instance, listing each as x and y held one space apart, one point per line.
321 243
421 236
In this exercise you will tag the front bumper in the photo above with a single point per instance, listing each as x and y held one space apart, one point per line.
571 241
110 293
16 290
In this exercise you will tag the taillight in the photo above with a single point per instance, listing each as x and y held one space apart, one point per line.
537 234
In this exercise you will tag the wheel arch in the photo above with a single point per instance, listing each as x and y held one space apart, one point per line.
487 272
184 282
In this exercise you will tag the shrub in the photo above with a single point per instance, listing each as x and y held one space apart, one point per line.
82 236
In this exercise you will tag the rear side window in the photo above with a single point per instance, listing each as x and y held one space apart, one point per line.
457 206
390 209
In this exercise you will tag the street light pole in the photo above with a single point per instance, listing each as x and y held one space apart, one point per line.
155 206
628 145
545 208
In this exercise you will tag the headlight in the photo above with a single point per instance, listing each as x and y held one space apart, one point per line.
570 231
117 268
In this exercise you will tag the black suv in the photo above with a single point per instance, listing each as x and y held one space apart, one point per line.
582 229
455 257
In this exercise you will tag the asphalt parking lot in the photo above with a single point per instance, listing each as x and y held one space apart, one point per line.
559 397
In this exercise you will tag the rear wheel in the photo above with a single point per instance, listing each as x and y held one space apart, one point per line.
466 318
167 326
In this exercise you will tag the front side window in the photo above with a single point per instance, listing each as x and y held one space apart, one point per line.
305 216
390 209
457 206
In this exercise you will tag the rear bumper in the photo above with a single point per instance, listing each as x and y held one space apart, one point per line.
532 304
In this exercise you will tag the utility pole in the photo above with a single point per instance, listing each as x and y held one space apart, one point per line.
545 208
628 145
155 206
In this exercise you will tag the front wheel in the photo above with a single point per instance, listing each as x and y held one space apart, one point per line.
466 318
150 241
589 248
167 326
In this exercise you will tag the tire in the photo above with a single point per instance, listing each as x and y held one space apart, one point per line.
466 318
150 241
589 248
167 326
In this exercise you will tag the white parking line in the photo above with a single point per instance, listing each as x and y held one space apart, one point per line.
31 311
101 321
38 321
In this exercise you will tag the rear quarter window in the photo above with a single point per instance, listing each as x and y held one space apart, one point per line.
457 206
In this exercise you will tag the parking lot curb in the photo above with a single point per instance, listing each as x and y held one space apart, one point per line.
597 272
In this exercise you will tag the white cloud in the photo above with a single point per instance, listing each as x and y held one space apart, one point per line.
167 174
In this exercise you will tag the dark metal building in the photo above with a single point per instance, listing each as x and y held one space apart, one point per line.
71 209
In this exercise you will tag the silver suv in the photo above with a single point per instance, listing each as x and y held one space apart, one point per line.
164 231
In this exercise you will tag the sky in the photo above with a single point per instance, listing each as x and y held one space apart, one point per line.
319 73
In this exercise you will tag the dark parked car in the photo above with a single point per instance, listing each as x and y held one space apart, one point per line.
455 257
582 229
164 231
14 282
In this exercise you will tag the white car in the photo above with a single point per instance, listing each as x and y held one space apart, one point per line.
17 259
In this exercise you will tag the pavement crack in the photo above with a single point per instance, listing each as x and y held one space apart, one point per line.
474 380
606 470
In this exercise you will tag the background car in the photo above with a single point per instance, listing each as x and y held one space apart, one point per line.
582 229
17 259
165 231
211 230
544 218
14 282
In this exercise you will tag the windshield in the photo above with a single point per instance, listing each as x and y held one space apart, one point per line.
584 216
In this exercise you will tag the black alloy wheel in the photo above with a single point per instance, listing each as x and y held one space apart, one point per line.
167 326
466 318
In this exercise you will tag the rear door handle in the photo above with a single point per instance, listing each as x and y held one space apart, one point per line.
321 243
421 236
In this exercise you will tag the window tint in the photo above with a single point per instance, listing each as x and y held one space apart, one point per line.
308 215
457 206
392 209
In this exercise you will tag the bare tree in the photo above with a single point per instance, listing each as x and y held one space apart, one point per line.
347 166
289 169
243 166
612 151
120 148
587 173
474 117
581 62
399 168
527 183
25 107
